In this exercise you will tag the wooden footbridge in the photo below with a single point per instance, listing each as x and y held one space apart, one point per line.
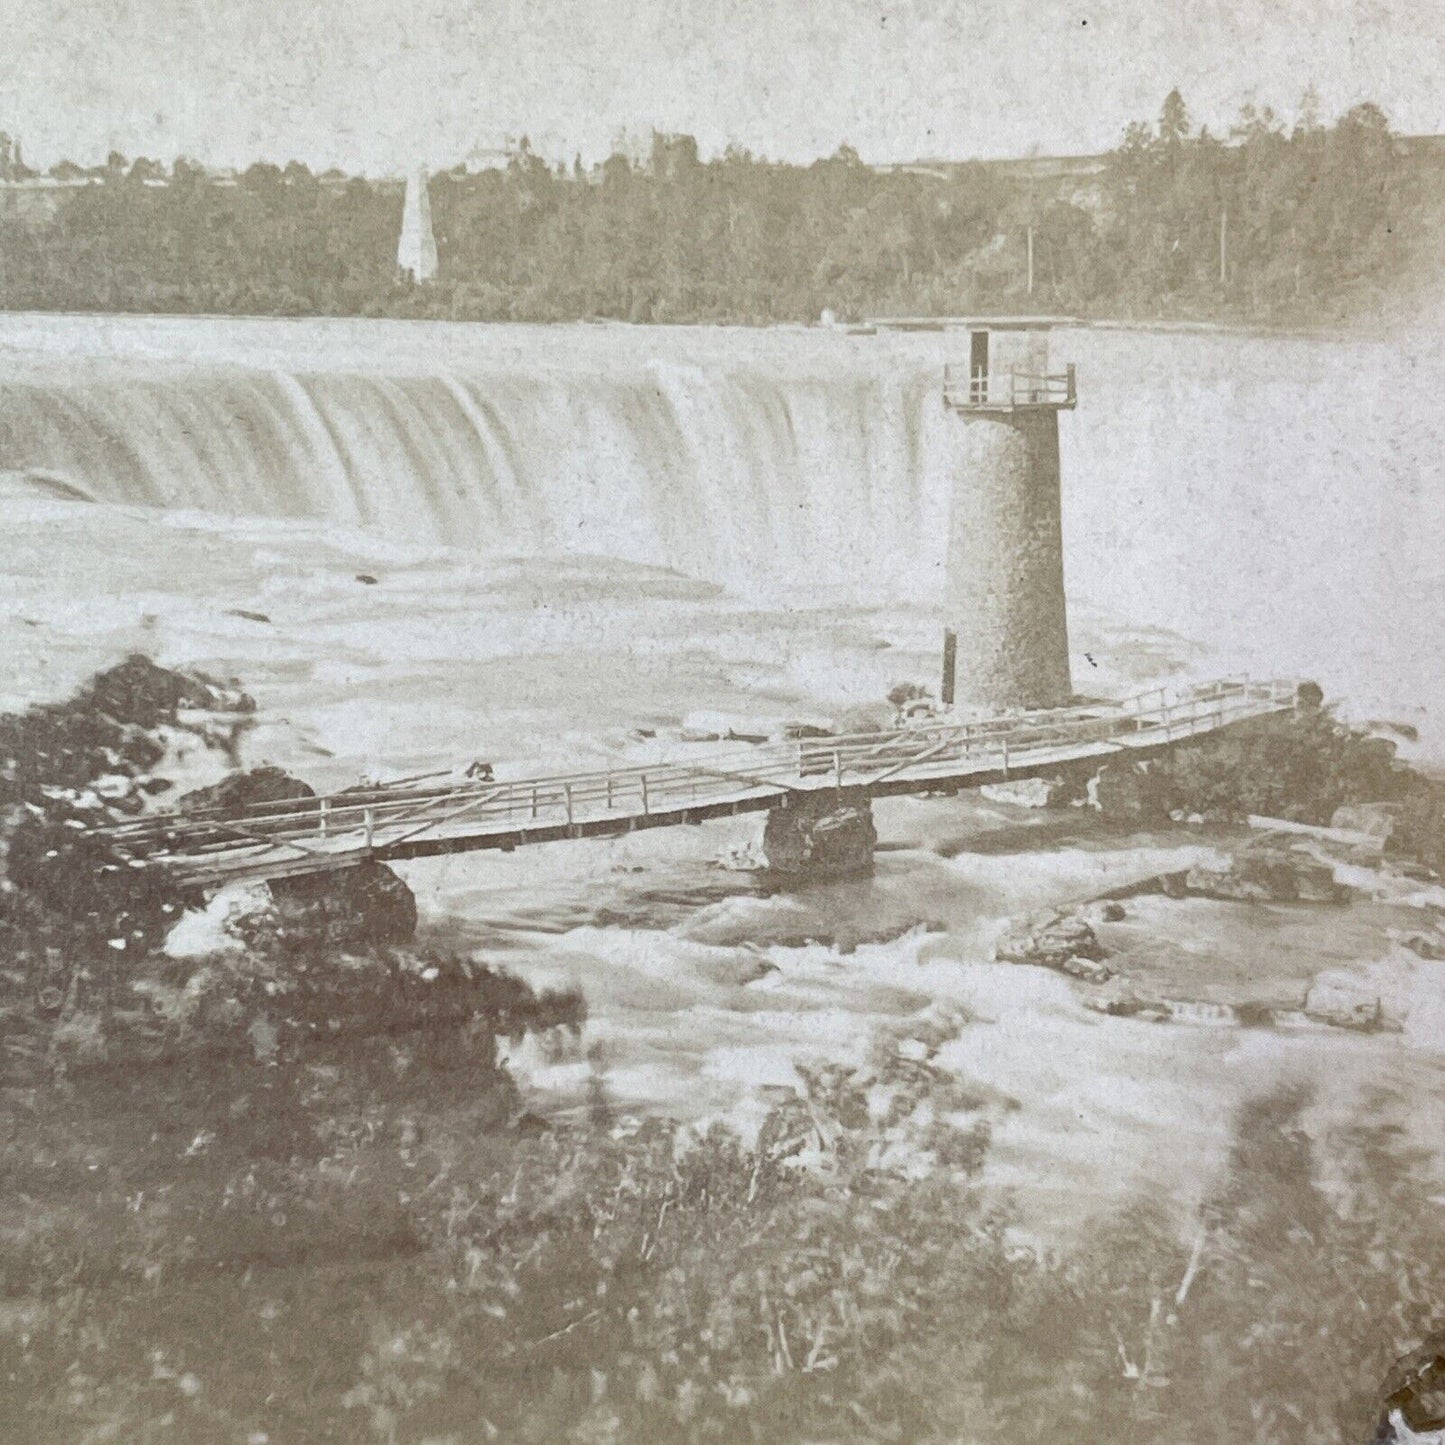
208 847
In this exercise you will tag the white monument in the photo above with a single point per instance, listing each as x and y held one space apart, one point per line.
416 252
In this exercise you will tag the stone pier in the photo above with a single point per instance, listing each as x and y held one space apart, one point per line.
821 835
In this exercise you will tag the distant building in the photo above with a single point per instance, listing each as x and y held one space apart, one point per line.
674 157
416 252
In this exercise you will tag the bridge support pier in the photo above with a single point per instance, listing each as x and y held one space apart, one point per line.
363 906
820 835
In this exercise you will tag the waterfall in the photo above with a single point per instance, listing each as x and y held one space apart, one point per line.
1277 498
753 479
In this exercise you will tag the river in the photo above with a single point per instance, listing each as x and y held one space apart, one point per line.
568 533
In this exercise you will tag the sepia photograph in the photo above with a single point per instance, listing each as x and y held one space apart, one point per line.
722 722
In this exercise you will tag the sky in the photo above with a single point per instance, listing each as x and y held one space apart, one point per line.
379 86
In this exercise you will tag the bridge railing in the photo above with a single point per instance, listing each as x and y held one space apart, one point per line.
967 390
381 818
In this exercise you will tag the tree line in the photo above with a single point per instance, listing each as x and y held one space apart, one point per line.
1270 222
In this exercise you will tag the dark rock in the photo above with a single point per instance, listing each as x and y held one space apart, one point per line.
1125 790
366 579
364 906
106 729
820 835
1265 876
238 791
247 614
139 692
75 766
94 900
799 731
1089 970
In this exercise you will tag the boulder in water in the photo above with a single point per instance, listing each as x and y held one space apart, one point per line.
1345 1004
1088 970
1064 944
1265 875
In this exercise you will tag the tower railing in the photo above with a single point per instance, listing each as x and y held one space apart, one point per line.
967 390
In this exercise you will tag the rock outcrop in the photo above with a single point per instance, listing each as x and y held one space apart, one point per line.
1375 819
1344 1003
110 734
1067 945
238 791
1259 875
1126 791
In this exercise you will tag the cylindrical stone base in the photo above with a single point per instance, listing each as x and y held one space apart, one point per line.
1006 562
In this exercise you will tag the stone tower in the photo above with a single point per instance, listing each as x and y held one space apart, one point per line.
416 252
1005 593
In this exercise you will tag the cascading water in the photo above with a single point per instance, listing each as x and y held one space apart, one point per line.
734 475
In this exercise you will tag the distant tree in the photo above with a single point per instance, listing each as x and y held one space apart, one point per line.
1307 117
262 178
1314 216
1174 119
1367 117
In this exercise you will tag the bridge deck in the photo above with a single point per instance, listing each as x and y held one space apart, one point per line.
213 846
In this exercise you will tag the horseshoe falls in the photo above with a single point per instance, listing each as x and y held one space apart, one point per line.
1278 499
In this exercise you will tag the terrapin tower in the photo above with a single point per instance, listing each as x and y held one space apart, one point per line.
1005 583
416 252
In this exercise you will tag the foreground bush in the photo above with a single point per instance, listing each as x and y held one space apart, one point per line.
586 1285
